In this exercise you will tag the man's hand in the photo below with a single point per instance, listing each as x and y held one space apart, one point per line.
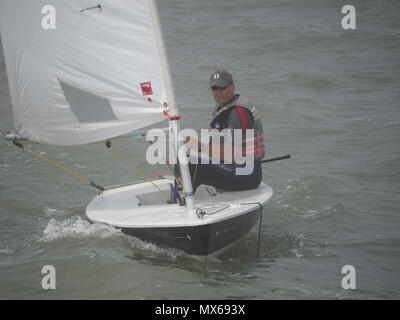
193 143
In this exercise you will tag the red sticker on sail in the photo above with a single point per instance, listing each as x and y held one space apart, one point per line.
146 88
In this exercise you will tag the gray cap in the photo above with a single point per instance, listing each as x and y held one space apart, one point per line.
220 78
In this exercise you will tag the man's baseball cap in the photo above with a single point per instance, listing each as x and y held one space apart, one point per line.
220 78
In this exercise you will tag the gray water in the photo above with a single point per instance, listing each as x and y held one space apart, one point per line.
328 96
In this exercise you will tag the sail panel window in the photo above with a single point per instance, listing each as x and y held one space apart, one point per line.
86 106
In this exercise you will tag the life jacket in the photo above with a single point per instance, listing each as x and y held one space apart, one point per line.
220 116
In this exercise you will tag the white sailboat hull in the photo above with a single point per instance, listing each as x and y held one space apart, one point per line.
141 210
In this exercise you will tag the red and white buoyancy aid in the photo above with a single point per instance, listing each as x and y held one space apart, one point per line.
220 116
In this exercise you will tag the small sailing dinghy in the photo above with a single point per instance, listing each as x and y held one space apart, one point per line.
89 71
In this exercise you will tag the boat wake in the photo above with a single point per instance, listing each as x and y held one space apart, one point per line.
77 228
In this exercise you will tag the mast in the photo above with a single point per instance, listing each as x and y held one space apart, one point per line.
173 109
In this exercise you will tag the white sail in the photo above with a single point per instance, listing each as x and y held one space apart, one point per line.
78 76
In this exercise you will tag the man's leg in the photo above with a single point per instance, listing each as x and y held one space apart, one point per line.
224 178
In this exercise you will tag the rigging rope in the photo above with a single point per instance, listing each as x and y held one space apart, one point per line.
96 7
127 184
136 168
194 175
174 173
59 166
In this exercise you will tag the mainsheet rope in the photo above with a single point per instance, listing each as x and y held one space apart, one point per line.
136 168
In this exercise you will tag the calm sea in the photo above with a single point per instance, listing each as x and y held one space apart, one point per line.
328 96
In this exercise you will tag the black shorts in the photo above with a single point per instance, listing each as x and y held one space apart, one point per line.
224 176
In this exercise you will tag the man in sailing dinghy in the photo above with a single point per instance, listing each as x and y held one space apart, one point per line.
232 111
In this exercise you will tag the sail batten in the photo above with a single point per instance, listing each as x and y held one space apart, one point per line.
99 74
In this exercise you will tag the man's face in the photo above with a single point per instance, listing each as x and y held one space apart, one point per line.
223 95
